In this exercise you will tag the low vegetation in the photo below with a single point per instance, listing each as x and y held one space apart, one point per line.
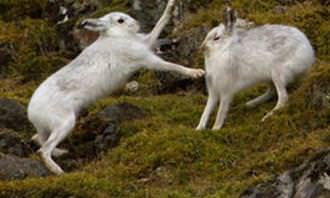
162 155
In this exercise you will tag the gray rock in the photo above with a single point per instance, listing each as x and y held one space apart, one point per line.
320 96
102 132
15 168
64 15
13 115
183 50
80 39
57 10
310 180
109 137
187 45
149 11
121 112
325 2
112 117
12 143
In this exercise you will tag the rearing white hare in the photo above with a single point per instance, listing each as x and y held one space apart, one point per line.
236 59
99 70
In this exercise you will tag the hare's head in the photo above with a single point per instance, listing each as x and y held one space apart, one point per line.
113 21
218 35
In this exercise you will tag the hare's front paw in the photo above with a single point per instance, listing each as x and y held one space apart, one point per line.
196 73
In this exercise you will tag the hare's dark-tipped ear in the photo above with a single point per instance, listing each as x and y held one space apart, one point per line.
229 19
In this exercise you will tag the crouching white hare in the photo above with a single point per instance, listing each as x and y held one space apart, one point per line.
236 59
99 70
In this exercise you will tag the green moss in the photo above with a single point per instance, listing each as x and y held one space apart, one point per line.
162 155
18 9
15 88
32 43
117 5
35 67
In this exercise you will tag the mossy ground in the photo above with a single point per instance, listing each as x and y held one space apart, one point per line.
162 155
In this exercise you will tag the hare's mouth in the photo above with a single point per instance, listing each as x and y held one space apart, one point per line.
93 25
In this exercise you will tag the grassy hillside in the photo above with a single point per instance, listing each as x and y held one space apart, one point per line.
161 155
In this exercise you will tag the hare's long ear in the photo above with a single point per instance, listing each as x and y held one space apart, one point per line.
229 19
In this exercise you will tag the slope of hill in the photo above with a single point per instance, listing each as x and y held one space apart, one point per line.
161 155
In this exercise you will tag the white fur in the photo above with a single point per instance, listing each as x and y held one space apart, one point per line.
237 59
99 70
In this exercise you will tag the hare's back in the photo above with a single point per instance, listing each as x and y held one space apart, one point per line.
275 38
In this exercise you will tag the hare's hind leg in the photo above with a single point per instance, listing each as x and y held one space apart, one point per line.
41 137
282 94
270 93
57 135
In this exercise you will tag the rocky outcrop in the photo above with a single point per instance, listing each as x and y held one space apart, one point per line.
58 11
14 161
183 49
325 2
12 143
149 11
64 14
13 115
98 133
102 131
121 112
310 180
188 44
13 168
106 124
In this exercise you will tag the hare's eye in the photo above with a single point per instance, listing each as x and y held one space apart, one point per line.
121 21
216 38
